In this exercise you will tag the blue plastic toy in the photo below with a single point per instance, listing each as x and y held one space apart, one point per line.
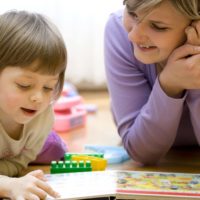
113 154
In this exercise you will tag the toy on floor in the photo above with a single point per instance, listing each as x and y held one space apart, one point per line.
69 155
68 111
97 160
70 166
90 108
78 162
113 154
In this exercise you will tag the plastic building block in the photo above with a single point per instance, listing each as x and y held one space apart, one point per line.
113 154
98 164
97 160
70 166
69 155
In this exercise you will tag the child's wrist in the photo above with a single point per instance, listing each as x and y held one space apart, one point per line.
6 183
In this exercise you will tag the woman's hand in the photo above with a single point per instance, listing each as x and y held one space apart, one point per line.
182 70
193 33
30 187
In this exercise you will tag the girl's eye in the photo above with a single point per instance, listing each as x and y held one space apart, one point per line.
154 26
23 86
48 89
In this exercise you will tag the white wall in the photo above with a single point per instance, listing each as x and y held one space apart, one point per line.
81 23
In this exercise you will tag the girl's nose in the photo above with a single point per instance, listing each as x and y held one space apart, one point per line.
37 97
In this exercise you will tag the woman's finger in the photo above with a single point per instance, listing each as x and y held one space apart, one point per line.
185 51
192 36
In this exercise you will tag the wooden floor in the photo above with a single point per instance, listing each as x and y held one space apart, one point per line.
100 128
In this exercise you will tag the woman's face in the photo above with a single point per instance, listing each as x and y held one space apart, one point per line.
156 34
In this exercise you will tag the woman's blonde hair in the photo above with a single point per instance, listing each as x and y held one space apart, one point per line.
28 37
190 8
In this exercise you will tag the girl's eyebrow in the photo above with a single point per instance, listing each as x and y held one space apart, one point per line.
31 77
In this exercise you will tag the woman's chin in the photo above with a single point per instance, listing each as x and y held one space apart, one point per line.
148 60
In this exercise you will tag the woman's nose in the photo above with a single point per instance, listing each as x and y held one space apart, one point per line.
137 33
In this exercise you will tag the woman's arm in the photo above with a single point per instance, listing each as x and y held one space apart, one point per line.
193 98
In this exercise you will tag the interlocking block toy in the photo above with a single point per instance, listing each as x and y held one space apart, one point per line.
69 166
69 155
98 164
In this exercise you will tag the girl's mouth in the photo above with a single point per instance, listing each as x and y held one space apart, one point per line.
29 112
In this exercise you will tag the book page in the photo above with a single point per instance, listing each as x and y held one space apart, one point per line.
84 184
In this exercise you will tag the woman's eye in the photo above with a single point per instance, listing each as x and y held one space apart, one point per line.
154 26
133 14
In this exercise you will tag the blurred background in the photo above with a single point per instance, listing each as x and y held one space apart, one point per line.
81 23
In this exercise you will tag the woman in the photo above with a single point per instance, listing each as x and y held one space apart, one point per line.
152 63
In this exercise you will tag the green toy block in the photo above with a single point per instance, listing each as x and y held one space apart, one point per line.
97 163
70 166
68 156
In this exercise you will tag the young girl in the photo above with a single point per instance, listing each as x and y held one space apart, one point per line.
152 62
32 67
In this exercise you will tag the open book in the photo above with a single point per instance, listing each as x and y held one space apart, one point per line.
126 185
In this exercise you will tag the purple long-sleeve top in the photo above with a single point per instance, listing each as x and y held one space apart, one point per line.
148 121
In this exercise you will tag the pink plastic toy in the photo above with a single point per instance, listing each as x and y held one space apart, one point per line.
68 113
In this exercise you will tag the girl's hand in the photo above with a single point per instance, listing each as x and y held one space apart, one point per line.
31 187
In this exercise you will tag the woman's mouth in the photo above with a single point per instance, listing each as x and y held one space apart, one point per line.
146 48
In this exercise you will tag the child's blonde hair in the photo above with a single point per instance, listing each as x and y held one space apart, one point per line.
28 37
190 8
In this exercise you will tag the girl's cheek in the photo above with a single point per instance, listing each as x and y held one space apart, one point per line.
13 99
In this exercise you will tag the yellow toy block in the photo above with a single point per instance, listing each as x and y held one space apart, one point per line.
98 164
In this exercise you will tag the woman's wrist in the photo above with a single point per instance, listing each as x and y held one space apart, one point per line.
170 89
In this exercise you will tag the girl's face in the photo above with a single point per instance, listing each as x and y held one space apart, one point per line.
24 94
156 34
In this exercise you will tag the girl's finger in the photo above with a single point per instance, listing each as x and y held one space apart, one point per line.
20 198
38 174
32 197
47 188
